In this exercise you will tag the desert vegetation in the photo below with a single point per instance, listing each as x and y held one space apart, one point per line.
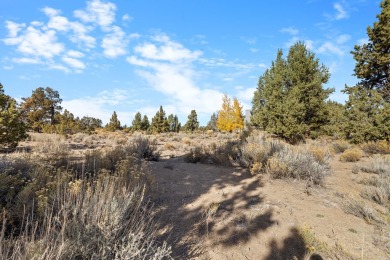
312 171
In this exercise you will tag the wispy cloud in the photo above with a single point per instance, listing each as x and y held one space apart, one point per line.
290 30
329 47
341 13
98 12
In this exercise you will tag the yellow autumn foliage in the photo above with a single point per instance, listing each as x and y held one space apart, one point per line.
230 117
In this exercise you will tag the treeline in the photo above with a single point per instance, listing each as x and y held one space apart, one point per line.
292 103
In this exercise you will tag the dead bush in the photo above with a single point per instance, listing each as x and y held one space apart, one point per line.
351 155
339 146
361 209
143 147
196 154
379 147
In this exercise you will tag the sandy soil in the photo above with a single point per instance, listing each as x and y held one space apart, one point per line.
208 211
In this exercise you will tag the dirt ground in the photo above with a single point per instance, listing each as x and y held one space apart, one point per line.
208 211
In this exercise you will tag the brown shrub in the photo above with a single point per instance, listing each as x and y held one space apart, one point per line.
351 155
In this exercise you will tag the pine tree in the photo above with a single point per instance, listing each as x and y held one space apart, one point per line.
290 100
137 122
159 122
368 116
67 123
173 122
212 124
114 123
12 129
145 123
192 122
89 124
40 109
373 58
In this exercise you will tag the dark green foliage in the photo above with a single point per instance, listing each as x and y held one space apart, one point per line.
173 122
192 122
67 123
290 98
337 119
160 122
89 124
12 129
137 122
212 124
145 123
373 58
114 123
40 109
367 114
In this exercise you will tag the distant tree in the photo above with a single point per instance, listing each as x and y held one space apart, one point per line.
290 100
225 120
137 122
145 123
12 128
238 117
230 117
89 124
159 122
114 123
212 124
373 58
192 122
173 122
40 109
67 123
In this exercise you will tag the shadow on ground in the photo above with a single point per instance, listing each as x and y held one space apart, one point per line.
185 224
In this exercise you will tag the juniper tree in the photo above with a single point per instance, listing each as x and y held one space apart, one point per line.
137 122
373 58
12 128
192 122
145 123
173 122
290 100
212 124
114 123
159 122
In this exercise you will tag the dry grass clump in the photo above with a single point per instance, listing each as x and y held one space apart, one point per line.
49 144
378 165
196 154
143 147
105 220
321 154
297 163
339 146
258 149
169 146
351 155
186 140
379 147
361 209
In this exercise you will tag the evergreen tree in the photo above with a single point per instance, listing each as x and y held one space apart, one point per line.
89 124
40 109
290 100
367 114
12 129
145 123
373 58
212 124
114 123
192 122
337 119
67 123
173 122
159 122
137 122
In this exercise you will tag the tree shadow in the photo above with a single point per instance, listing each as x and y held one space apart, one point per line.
180 184
293 247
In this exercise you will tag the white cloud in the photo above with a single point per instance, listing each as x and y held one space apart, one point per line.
13 28
363 41
36 43
166 50
167 67
100 106
101 13
249 40
341 12
127 18
75 63
343 38
75 54
253 50
290 30
115 43
329 47
246 95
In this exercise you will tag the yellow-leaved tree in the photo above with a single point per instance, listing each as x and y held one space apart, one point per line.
230 117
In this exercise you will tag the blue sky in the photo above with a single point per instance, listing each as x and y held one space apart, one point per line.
135 55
